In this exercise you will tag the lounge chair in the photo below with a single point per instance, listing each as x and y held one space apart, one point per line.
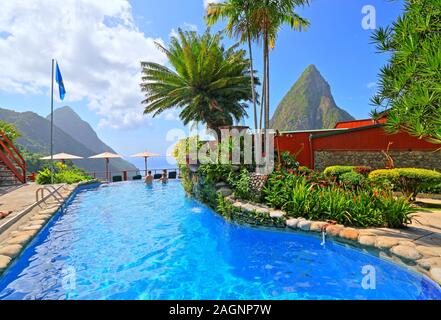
172 175
157 176
137 177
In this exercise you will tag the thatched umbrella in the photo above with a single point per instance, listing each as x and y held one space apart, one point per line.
62 157
144 155
107 156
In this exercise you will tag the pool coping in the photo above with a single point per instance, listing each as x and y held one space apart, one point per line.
399 250
16 241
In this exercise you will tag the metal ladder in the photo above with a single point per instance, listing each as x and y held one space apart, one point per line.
52 192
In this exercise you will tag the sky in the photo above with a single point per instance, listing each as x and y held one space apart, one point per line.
99 45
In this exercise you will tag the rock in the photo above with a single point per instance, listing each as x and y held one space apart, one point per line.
41 217
262 210
47 211
428 263
238 205
37 222
349 234
4 261
292 223
317 226
20 239
407 243
368 241
277 214
385 242
220 185
225 191
428 251
435 273
334 230
30 227
248 207
11 250
406 252
304 225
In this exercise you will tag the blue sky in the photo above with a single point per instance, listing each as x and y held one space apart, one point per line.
100 70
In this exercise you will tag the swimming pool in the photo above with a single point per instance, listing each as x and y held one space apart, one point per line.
130 241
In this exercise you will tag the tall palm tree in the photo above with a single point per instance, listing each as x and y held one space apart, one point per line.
267 17
238 13
208 82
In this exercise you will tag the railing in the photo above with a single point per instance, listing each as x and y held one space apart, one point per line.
12 158
52 192
128 174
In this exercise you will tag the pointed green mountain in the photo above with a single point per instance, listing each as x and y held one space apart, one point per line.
308 105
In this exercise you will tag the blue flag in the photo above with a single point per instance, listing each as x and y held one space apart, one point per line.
60 82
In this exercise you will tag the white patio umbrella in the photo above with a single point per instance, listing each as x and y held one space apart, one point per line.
107 156
62 157
144 155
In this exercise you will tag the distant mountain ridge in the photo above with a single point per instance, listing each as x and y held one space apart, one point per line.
35 138
308 105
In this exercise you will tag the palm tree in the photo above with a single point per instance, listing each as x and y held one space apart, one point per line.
267 17
208 82
238 13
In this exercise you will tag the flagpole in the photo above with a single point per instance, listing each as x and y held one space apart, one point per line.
52 123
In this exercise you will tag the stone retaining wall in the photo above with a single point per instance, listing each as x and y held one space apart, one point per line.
424 259
376 160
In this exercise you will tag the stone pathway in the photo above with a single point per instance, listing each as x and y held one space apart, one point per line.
27 218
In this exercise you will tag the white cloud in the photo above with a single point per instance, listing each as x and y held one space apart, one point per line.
371 85
97 45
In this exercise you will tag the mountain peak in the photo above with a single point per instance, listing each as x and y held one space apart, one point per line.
308 105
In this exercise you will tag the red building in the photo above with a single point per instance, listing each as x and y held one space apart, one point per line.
359 142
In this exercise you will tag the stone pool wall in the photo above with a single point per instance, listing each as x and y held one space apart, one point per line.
15 239
405 251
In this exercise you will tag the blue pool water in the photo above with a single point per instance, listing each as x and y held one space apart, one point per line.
129 241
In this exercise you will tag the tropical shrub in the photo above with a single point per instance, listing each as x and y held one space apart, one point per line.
336 171
288 161
352 179
62 174
215 172
364 170
316 198
241 184
10 131
409 181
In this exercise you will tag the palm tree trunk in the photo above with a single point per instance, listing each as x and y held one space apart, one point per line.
267 86
263 98
266 122
253 89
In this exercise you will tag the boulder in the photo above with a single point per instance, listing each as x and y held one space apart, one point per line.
277 214
334 230
349 234
425 263
292 223
368 241
406 252
20 239
11 250
225 191
385 242
4 261
429 251
435 274
304 225
262 210
317 226
220 185
407 243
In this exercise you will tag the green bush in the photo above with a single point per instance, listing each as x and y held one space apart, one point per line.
288 161
62 174
241 184
337 171
215 172
317 199
409 181
352 179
